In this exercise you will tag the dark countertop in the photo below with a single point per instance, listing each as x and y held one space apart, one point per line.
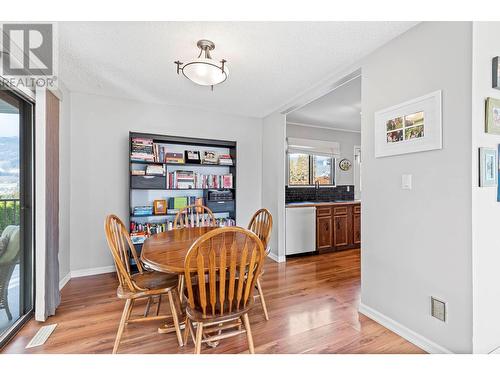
315 204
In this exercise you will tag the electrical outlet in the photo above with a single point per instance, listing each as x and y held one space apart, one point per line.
438 309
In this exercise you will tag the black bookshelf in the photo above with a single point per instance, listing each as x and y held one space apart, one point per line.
157 190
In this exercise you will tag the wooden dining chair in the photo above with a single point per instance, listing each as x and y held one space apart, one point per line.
262 224
194 216
145 284
218 297
191 216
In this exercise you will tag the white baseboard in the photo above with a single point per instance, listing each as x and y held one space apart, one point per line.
276 258
64 280
92 271
403 331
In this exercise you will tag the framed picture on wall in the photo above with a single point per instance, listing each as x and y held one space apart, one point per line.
495 73
488 169
412 126
492 116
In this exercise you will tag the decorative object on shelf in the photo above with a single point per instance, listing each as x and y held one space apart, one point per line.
487 167
495 73
345 165
203 70
210 157
492 116
160 207
192 157
412 126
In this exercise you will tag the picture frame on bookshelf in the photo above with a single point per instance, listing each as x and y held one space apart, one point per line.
160 207
210 157
192 157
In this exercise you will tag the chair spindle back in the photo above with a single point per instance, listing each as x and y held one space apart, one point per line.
194 216
221 269
119 244
262 224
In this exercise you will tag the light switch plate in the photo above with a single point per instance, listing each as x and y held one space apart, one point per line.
406 182
438 309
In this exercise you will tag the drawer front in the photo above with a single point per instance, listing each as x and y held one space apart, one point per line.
220 206
148 182
340 210
357 209
323 211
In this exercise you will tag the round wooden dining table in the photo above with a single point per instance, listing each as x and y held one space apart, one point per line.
166 251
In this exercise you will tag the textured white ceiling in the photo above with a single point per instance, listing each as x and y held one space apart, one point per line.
269 62
339 109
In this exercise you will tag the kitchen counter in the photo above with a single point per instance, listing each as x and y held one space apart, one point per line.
319 204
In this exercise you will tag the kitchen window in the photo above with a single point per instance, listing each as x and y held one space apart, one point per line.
309 169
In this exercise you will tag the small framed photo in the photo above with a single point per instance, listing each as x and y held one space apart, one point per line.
493 116
488 170
160 207
495 73
192 157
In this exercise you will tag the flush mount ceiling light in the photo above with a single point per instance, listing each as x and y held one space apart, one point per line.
203 70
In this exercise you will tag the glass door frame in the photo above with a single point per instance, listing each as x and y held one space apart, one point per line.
26 210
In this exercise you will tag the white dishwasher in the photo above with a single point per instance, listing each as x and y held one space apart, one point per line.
300 229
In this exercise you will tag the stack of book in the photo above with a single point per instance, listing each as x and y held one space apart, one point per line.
225 159
155 170
143 211
174 157
142 149
191 180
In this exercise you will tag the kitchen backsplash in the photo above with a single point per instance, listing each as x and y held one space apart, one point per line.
306 194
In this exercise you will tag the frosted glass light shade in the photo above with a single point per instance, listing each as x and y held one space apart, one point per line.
205 72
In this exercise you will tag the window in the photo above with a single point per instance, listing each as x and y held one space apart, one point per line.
307 170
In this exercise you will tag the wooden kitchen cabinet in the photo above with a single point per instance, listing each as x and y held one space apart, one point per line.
338 227
356 225
324 230
324 233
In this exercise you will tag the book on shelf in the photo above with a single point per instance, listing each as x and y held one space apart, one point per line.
142 211
192 180
142 149
138 172
159 151
139 232
210 157
155 170
225 159
174 158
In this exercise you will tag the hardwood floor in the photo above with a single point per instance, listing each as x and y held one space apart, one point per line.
312 303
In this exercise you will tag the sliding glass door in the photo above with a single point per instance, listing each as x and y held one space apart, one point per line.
16 226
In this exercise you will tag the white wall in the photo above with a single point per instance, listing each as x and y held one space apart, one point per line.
485 208
273 179
99 162
417 243
347 142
